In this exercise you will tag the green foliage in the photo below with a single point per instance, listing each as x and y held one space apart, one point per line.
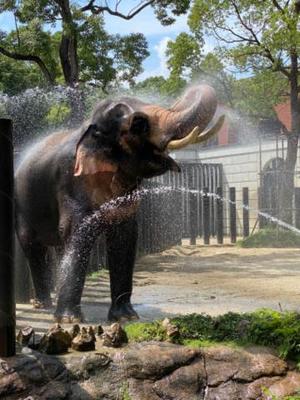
103 59
183 54
16 77
124 392
108 58
258 95
280 330
271 237
276 329
58 114
146 331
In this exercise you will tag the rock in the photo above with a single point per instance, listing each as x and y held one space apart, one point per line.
55 341
141 390
185 383
74 331
254 389
172 330
241 365
35 341
10 384
98 330
55 391
227 391
154 360
242 328
25 335
114 336
84 341
286 387
30 369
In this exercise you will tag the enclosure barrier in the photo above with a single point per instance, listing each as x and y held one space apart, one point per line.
7 298
232 214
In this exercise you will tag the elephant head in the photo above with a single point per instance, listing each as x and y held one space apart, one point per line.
136 137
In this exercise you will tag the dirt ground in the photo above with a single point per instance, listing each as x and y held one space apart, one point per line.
188 279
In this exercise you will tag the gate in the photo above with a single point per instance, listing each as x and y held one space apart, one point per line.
193 181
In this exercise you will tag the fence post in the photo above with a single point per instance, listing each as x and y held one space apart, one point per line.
232 214
245 212
7 285
206 216
297 207
220 230
193 209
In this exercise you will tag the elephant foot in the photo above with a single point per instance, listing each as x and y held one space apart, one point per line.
69 316
122 312
41 304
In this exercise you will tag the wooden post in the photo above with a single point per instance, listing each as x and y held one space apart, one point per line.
245 212
220 230
232 214
206 216
7 285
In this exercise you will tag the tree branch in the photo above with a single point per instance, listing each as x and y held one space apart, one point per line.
278 6
94 9
30 58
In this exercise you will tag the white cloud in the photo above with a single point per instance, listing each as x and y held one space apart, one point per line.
161 48
158 54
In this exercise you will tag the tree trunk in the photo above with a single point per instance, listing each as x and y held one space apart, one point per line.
69 61
288 184
68 57
68 46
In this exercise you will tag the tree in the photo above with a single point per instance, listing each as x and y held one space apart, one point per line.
73 17
15 77
188 63
259 36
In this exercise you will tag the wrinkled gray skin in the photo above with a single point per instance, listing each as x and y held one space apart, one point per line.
68 176
51 204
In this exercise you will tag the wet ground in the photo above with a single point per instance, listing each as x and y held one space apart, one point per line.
188 279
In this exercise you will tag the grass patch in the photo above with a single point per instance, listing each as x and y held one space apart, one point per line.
279 330
146 331
271 238
98 274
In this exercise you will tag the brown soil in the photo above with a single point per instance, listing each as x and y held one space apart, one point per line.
187 279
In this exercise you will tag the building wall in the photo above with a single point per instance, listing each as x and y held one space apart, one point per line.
242 165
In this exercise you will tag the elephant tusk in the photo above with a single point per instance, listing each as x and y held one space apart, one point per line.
180 143
208 133
194 136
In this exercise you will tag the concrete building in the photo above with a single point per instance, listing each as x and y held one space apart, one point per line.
246 162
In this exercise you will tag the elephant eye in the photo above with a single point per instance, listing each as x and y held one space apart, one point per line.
95 131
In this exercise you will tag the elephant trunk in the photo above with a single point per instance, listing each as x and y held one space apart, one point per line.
185 121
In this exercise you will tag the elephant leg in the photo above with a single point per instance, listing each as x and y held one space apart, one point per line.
41 274
72 275
121 248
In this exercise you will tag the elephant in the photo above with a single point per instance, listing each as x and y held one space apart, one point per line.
65 180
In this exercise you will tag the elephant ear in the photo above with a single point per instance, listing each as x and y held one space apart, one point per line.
88 162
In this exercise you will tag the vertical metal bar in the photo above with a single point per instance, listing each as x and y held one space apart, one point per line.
220 228
7 286
232 213
297 207
193 207
206 216
245 212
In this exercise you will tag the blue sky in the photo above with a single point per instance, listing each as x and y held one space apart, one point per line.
146 23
